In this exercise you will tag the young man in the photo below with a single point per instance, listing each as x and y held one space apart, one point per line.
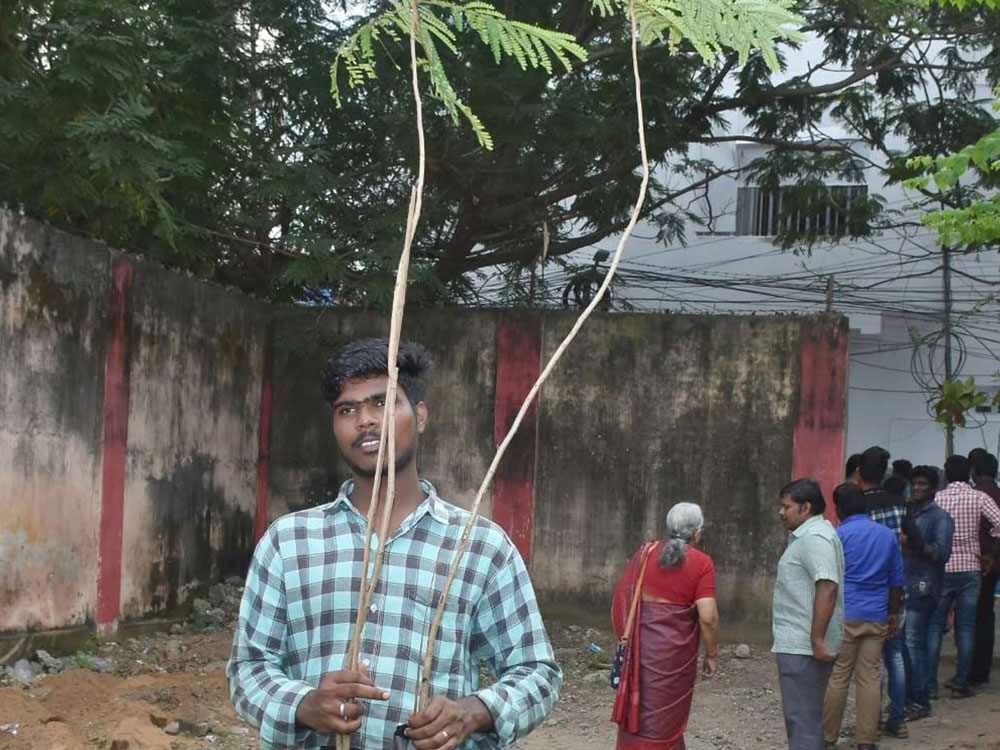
984 479
962 576
851 468
808 611
889 510
873 591
924 580
300 606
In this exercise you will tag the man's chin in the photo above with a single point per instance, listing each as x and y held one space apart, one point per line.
368 471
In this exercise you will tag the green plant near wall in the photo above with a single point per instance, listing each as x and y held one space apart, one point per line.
952 404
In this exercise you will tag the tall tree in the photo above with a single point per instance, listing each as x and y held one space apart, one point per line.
251 176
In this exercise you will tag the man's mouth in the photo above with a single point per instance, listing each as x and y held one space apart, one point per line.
367 443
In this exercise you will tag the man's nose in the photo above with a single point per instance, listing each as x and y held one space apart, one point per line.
370 415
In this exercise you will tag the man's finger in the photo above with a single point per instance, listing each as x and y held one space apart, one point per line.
341 690
428 731
428 713
342 709
347 675
444 738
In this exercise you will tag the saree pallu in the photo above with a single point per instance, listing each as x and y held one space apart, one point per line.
654 699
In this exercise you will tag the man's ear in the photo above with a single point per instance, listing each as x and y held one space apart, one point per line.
421 411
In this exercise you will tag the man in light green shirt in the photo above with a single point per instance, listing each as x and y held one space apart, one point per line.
808 611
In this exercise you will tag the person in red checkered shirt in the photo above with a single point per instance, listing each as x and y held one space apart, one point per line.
962 574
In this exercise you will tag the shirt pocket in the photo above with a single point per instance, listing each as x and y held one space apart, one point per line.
451 655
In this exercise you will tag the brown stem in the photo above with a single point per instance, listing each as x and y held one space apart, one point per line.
502 448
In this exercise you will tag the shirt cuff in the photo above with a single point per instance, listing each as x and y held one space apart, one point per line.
279 729
497 704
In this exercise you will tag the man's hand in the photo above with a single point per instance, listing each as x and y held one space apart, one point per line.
708 667
334 707
893 625
822 653
444 724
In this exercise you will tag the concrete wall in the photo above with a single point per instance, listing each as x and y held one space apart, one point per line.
664 409
52 352
150 422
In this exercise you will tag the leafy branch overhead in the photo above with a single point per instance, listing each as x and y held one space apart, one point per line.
713 26
532 47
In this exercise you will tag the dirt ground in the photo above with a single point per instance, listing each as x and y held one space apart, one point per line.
166 678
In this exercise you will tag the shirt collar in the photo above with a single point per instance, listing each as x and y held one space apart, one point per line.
856 517
807 525
432 503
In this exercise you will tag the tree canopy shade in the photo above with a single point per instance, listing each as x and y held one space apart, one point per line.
204 133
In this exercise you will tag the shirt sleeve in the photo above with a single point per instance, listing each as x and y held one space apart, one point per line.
262 693
705 588
819 559
510 636
897 578
992 513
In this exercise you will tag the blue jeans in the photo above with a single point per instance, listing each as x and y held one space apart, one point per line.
962 590
915 631
892 654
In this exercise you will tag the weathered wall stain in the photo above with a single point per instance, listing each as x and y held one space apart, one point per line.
52 346
201 536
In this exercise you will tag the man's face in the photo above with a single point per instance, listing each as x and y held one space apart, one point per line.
357 418
921 489
793 514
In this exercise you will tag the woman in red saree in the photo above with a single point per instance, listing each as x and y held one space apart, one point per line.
675 611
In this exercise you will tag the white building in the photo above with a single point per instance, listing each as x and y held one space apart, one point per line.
890 286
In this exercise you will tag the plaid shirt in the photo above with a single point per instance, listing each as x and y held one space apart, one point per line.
889 514
300 606
966 506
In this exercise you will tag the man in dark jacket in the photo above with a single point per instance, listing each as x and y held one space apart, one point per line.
924 577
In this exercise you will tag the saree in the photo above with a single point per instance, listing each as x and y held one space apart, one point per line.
653 702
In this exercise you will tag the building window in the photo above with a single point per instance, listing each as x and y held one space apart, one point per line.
767 213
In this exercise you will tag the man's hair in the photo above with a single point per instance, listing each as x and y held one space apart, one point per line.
956 469
849 499
874 463
976 453
369 358
927 472
805 491
894 485
985 466
902 468
853 462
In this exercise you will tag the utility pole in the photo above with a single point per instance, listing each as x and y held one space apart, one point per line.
949 440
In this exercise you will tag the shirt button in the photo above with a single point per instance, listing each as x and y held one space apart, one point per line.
367 662
373 608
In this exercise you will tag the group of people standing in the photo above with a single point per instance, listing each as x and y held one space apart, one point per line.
910 552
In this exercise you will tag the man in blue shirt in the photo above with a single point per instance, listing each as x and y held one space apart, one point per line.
873 592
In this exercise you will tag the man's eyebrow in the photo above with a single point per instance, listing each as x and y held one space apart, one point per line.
373 397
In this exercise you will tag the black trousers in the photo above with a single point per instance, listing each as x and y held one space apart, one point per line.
982 655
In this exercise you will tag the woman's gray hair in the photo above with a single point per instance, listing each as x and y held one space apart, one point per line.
683 521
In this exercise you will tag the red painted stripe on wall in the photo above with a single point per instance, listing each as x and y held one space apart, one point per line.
264 435
114 447
821 428
519 354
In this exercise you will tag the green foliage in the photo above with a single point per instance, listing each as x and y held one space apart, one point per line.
200 133
531 46
956 399
713 26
